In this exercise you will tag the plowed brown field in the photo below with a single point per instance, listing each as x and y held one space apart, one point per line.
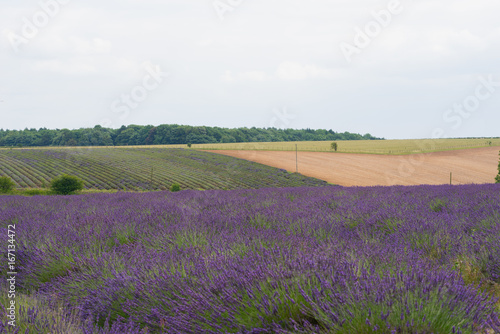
468 166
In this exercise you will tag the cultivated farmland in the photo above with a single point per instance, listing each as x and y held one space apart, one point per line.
478 165
391 147
125 168
422 259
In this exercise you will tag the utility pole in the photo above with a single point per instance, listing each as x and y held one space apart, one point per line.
296 159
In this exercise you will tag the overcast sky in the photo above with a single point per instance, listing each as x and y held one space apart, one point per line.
395 69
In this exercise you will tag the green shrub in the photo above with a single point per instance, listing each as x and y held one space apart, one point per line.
35 191
175 187
6 184
497 179
334 146
66 184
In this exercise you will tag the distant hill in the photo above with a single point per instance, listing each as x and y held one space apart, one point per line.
143 169
164 135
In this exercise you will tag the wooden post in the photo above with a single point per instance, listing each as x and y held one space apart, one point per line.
450 177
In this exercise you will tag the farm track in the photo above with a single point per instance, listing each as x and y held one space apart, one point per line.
477 165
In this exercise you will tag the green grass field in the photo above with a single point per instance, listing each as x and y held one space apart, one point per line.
394 147
134 168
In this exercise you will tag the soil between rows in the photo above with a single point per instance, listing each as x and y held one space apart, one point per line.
479 165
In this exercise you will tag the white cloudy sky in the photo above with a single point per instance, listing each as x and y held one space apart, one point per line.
267 63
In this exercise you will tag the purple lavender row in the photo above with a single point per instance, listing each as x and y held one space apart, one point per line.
422 259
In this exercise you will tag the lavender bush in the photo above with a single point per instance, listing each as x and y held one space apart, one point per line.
422 259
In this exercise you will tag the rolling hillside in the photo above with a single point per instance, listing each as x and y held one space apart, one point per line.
477 165
384 147
126 168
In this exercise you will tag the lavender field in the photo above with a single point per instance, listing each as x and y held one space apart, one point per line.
423 259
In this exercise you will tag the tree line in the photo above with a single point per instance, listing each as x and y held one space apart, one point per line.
165 134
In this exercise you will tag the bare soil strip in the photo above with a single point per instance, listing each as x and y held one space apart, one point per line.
479 165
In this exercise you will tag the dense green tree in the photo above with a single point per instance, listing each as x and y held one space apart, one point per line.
66 184
175 187
6 184
45 137
151 135
126 137
163 135
227 139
